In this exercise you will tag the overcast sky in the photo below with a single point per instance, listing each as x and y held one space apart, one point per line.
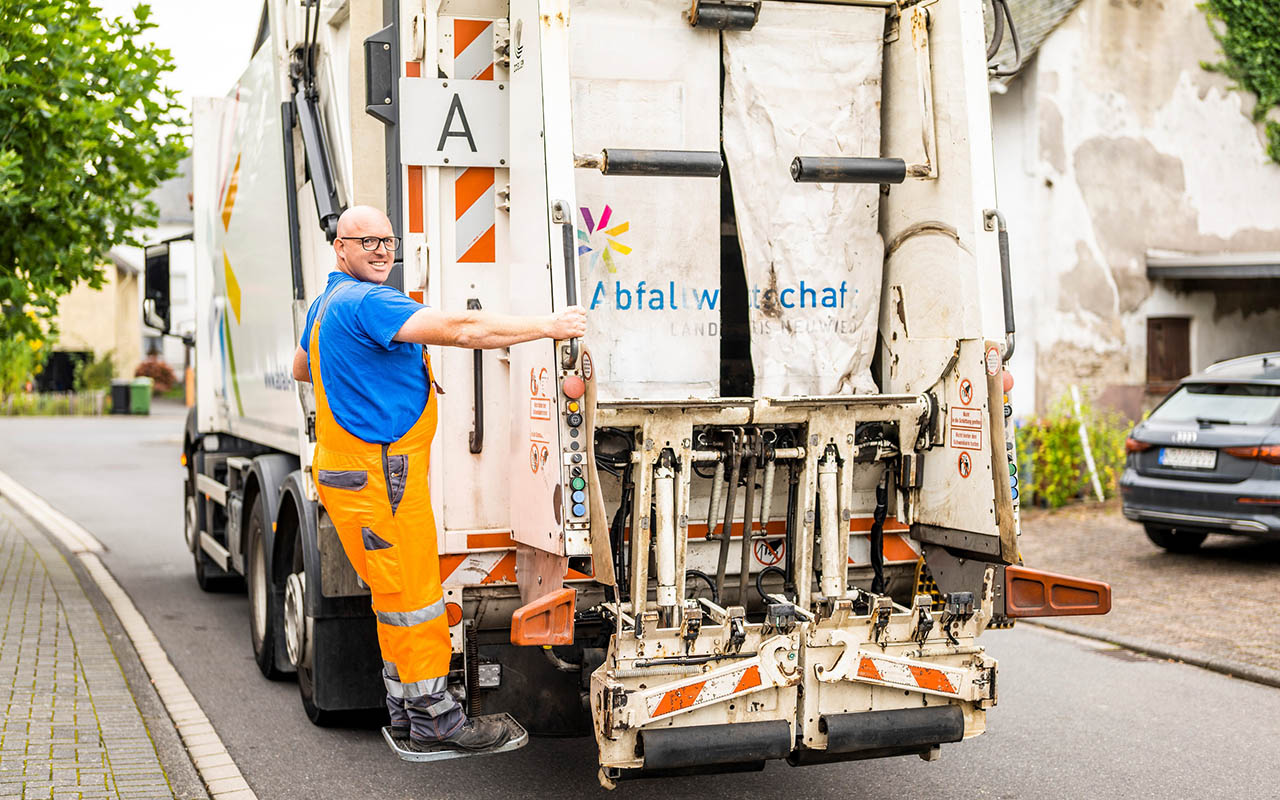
210 40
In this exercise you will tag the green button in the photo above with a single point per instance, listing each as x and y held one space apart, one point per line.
577 483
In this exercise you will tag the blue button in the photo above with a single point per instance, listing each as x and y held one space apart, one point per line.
579 497
579 510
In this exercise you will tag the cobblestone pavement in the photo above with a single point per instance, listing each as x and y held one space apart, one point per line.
1219 603
71 726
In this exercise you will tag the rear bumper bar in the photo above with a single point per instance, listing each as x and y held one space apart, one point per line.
1196 520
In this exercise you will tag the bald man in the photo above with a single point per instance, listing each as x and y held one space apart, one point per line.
362 347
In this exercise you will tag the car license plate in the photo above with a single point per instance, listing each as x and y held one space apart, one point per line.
1188 458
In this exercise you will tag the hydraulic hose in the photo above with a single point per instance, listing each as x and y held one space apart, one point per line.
877 534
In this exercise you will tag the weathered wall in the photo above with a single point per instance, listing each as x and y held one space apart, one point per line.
1114 142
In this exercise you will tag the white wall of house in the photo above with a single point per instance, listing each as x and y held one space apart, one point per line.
1112 143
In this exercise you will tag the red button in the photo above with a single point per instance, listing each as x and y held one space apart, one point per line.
573 387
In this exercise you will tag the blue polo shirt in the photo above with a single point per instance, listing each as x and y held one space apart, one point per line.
376 387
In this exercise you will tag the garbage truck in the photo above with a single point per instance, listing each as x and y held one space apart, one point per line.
767 506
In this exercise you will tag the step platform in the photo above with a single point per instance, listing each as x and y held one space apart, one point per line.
519 738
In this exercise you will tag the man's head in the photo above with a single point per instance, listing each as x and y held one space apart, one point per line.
355 224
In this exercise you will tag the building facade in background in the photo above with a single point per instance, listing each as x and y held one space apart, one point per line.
95 322
1143 210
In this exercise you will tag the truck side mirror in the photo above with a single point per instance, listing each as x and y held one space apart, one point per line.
155 297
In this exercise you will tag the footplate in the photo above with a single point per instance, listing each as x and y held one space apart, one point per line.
519 738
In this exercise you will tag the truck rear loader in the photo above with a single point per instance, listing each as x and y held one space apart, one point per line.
766 507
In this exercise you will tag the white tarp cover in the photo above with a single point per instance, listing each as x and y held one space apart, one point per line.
806 81
649 248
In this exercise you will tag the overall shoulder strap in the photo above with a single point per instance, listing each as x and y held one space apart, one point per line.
324 307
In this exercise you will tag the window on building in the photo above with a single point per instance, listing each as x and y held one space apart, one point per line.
1168 352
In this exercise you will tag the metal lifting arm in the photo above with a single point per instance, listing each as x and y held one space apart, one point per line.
315 144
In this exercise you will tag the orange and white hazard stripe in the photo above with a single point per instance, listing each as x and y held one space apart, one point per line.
474 201
703 692
488 567
916 676
765 671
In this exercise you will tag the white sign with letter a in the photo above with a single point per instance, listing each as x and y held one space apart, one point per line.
453 123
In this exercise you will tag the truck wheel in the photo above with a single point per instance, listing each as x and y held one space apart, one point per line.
1175 541
298 642
265 618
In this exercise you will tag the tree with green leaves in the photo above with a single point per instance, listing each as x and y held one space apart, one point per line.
87 131
1249 32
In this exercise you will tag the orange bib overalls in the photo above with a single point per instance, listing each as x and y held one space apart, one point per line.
377 497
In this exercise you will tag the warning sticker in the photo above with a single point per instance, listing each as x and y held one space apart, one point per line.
993 360
534 461
586 366
966 391
539 408
966 418
769 552
966 438
965 465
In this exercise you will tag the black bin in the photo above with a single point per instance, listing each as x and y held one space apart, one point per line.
120 396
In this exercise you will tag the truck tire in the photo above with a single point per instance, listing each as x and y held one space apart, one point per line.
322 717
1175 541
265 612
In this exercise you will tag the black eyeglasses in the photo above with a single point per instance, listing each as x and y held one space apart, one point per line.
392 243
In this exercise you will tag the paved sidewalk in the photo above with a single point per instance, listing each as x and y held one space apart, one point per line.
72 728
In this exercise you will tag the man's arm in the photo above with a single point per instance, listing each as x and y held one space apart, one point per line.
301 372
483 330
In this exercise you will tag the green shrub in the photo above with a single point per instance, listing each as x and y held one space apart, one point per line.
95 374
1051 448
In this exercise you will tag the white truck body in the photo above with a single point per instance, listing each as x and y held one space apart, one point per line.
861 326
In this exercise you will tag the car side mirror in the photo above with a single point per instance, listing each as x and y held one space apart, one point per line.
155 297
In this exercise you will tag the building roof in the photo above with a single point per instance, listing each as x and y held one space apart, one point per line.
1212 266
1034 20
127 259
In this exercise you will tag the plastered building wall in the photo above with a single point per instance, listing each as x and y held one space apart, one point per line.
103 320
1114 142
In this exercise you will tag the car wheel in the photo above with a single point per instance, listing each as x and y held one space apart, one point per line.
1175 541
265 617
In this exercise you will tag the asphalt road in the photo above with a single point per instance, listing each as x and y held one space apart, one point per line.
1075 718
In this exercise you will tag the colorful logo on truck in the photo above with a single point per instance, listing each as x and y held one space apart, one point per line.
600 240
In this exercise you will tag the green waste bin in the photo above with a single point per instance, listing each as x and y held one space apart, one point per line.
140 396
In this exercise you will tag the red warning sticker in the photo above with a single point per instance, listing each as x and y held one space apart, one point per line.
966 438
966 418
966 391
993 360
965 465
769 552
539 408
587 368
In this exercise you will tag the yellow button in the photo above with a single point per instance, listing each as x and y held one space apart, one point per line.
573 407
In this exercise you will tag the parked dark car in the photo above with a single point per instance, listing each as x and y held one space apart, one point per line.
1207 460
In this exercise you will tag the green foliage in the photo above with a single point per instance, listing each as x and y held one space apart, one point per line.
1249 32
95 374
1051 445
20 360
43 404
86 132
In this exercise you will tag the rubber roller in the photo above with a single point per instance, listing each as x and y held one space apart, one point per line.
817 169
662 163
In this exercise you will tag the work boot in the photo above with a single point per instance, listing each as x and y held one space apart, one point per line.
474 735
